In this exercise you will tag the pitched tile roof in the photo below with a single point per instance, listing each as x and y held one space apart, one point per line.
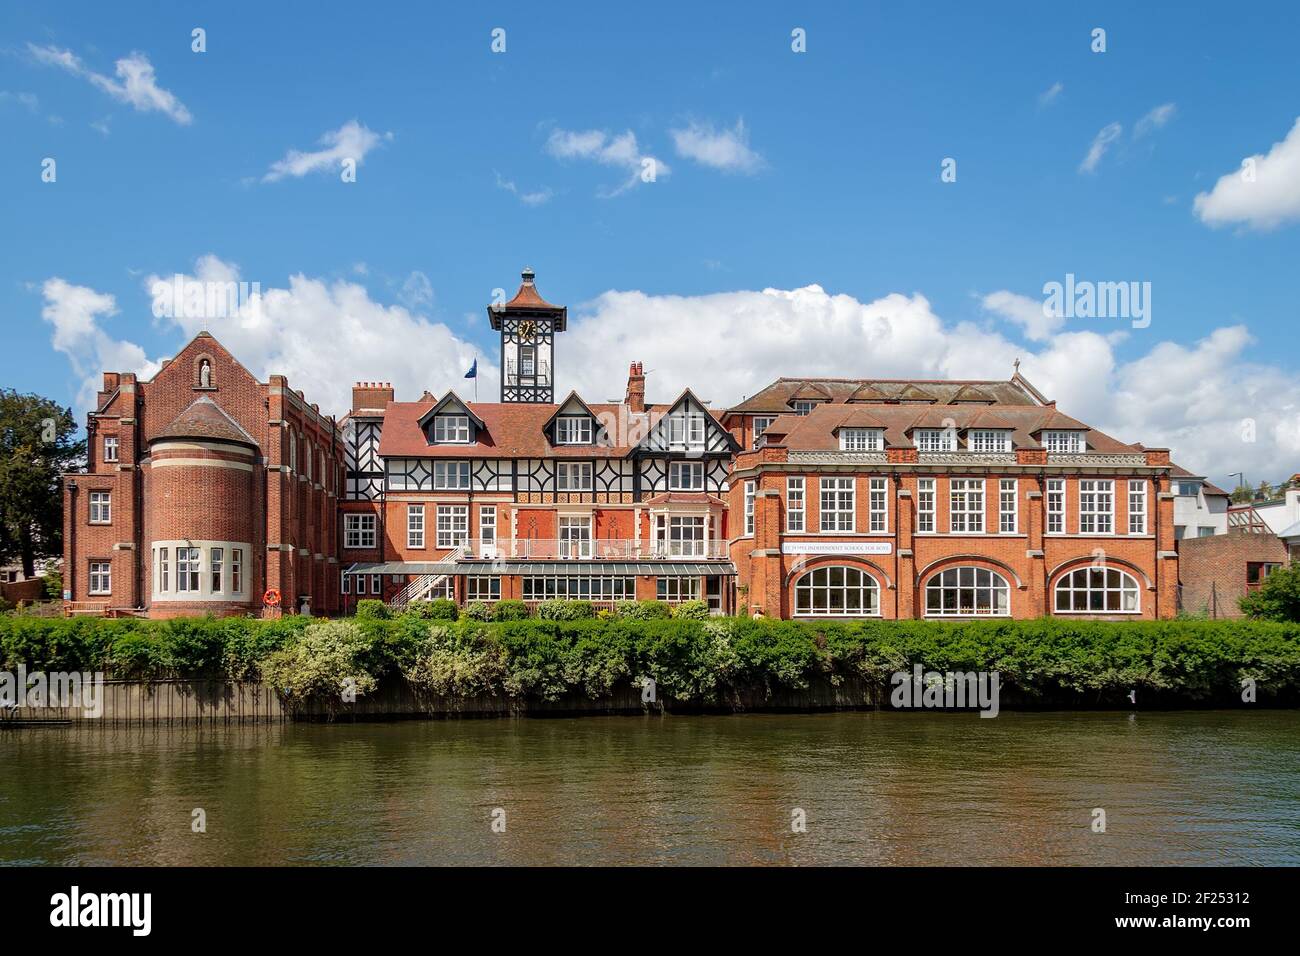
816 431
776 398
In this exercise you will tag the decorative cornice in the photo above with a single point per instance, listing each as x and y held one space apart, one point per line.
1096 458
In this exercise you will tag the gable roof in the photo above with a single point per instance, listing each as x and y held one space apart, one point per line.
441 405
206 420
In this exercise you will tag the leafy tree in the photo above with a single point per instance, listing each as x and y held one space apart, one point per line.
1278 598
1241 495
37 444
1264 492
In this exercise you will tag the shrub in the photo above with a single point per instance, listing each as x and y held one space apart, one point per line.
478 611
510 611
54 585
691 610
439 609
1277 599
565 610
643 610
373 609
324 661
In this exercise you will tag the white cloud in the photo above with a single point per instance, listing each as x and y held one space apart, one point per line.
76 312
1038 322
417 291
1263 193
535 198
1154 120
325 334
352 140
28 100
135 83
1100 143
1049 95
619 151
724 149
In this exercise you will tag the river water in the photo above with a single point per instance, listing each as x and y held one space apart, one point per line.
1195 787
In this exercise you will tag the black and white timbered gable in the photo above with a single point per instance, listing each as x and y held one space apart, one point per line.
686 450
365 469
574 425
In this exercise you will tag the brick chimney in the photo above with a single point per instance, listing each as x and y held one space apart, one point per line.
371 396
635 398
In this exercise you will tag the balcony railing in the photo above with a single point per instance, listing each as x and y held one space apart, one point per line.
592 549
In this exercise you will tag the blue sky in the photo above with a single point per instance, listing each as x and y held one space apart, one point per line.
783 171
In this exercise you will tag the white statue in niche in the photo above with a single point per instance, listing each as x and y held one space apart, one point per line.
205 374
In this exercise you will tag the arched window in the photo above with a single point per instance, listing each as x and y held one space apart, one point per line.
837 590
968 591
1097 591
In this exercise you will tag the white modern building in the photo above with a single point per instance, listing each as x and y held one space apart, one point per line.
1200 508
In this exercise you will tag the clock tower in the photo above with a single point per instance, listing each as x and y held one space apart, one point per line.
528 324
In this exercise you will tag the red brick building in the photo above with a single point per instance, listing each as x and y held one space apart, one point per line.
909 499
205 490
815 497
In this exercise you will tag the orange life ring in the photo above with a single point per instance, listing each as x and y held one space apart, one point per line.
271 598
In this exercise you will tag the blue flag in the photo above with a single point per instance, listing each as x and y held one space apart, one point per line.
473 369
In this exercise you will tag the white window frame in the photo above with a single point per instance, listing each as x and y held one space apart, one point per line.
487 526
482 587
969 493
358 529
527 361
1060 442
674 590
935 439
795 504
451 429
573 430
824 583
1082 581
451 475
1096 506
686 430
761 424
1008 506
346 584
111 447
451 526
575 537
987 441
927 495
694 472
574 475
749 508
803 406
101 507
841 495
189 568
415 526
878 504
162 580
953 580
100 577
216 570
1137 506
236 570
681 535
861 439
1055 506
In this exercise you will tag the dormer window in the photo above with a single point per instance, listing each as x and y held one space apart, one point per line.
988 440
573 430
803 407
936 439
451 429
1066 442
861 439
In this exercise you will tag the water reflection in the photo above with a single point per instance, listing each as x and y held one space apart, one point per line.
877 788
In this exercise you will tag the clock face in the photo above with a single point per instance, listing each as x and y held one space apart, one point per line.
527 328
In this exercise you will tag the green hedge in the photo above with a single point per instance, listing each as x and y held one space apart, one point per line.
690 659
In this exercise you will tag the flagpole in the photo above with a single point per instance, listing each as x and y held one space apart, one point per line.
476 378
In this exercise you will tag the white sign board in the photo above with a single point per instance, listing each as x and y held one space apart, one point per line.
837 547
